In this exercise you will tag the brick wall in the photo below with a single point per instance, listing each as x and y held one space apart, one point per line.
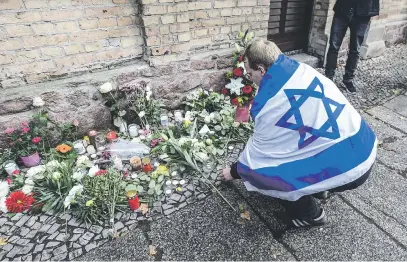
41 39
175 29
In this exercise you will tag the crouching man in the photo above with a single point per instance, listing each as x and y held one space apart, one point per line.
307 139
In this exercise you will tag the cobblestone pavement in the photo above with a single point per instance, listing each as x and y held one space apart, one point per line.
378 80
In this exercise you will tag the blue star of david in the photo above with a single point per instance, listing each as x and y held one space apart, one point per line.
296 103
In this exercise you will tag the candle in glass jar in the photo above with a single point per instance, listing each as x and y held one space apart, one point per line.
133 130
111 136
10 167
164 120
178 116
92 137
79 147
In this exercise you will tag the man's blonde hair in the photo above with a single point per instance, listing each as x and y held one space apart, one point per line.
262 53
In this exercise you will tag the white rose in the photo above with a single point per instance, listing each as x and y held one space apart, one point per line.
106 88
52 164
38 102
3 207
93 170
4 189
141 114
27 189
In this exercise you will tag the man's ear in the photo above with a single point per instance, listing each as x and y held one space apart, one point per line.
262 70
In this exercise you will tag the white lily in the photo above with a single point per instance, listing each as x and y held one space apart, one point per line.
235 85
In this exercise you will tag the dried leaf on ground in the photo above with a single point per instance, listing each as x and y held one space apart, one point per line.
245 215
144 208
3 241
152 250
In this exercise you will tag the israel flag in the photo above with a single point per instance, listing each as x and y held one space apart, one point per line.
307 137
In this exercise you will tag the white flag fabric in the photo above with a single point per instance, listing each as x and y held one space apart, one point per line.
307 137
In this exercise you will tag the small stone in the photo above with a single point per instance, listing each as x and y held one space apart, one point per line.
60 257
166 206
52 244
62 237
31 221
201 196
60 250
188 194
36 226
119 225
76 253
43 218
53 235
175 197
182 199
190 187
118 216
22 221
169 211
26 249
31 234
90 247
38 248
4 229
96 229
12 253
182 182
134 215
17 217
73 222
76 245
175 182
53 229
27 258
46 255
79 231
106 233
182 205
3 220
168 182
168 192
75 237
130 222
88 236
7 247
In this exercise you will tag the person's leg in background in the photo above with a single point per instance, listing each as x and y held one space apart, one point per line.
338 30
358 29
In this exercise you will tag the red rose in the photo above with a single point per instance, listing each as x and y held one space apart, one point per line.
240 59
238 72
247 90
235 101
16 172
36 140
25 130
225 91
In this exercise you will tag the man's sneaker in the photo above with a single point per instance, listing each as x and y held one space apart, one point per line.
322 195
349 85
318 221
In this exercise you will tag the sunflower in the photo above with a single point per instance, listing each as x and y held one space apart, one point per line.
63 148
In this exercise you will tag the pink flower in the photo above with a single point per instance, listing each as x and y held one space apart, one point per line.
9 130
16 172
25 130
76 122
19 140
24 124
9 181
36 140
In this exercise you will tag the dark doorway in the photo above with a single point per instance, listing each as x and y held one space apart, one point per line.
289 23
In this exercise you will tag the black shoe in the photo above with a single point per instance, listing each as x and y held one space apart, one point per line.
349 85
319 220
322 195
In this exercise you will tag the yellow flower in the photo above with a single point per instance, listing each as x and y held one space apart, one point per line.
131 193
187 123
162 170
179 189
90 203
86 138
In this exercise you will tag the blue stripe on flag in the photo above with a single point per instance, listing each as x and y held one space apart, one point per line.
275 78
333 161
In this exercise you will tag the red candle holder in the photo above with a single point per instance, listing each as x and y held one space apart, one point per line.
134 203
147 168
111 136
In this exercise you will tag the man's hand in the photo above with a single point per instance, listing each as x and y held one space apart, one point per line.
226 174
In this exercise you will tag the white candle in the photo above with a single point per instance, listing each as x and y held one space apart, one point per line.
178 116
133 130
10 167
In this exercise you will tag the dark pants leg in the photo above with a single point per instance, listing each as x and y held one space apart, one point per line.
358 28
338 30
307 208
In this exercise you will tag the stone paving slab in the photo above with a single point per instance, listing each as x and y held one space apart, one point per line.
382 199
398 105
208 230
393 154
346 236
382 130
388 116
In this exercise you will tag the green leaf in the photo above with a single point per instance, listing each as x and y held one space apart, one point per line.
140 189
130 187
158 192
218 128
151 191
152 184
160 179
221 151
